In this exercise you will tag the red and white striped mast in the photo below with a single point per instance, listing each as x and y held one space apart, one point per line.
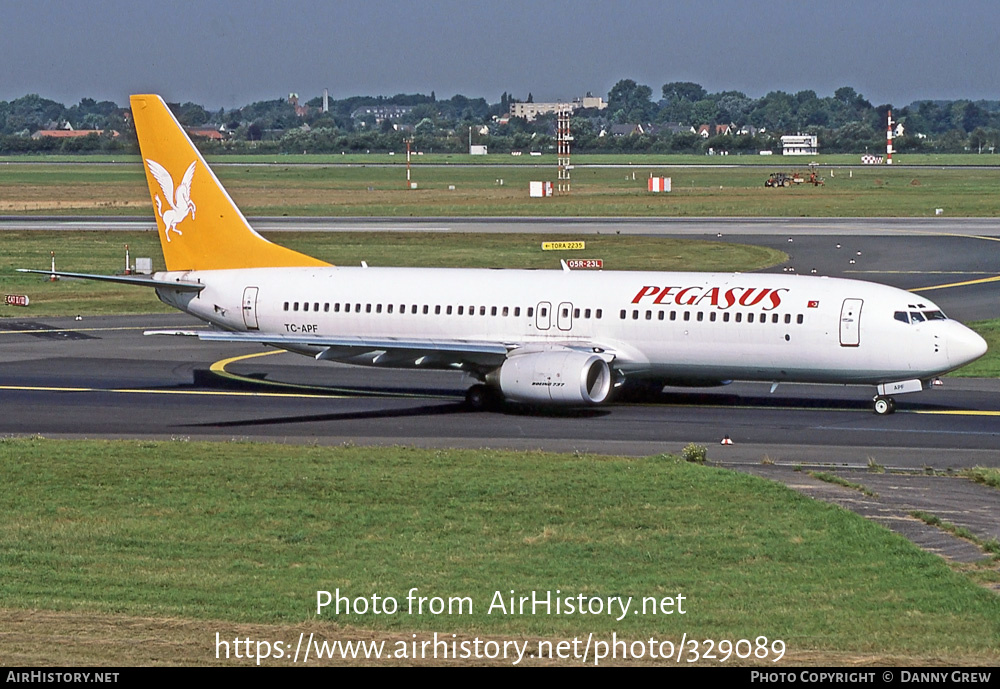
888 140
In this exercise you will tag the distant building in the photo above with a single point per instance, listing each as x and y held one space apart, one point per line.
627 130
380 113
676 128
213 133
799 145
530 111
707 130
300 110
68 133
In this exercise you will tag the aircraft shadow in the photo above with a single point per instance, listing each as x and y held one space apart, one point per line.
371 414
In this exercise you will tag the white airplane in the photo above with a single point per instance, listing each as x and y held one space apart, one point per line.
538 337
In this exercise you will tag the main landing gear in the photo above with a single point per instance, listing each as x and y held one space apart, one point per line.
884 405
483 398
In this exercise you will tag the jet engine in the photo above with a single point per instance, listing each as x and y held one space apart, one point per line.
564 377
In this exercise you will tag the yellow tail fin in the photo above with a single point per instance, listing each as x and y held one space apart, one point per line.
200 226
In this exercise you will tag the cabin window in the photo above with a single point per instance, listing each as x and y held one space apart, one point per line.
712 316
622 314
517 311
326 307
661 315
426 309
635 314
378 308
586 313
649 315
673 315
774 318
493 310
448 310
506 311
725 317
599 312
437 310
739 317
316 306
336 307
687 315
305 306
701 316
295 306
286 306
461 310
788 318
749 318
576 313
357 308
798 319
531 311
482 311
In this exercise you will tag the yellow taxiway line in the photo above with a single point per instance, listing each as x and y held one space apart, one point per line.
139 391
957 284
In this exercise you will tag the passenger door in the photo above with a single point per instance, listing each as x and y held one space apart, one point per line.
850 323
250 308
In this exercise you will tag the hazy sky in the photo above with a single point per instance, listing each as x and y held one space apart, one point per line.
228 54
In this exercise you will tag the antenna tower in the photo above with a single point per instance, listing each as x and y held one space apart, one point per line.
563 139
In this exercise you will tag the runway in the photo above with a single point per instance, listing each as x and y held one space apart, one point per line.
102 377
165 383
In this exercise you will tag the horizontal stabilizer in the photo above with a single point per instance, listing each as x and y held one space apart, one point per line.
177 285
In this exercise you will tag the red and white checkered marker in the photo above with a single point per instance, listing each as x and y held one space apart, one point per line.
726 440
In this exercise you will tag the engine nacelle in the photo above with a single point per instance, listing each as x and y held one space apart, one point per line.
555 377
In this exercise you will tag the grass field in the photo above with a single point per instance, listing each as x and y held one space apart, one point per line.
989 365
239 533
367 190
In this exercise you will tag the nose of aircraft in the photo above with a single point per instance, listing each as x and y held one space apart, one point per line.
964 345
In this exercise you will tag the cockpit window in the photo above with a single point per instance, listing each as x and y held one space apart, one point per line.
919 316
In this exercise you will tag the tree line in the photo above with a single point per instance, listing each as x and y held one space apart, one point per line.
844 122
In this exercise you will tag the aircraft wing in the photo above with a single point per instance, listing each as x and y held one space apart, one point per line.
391 351
380 351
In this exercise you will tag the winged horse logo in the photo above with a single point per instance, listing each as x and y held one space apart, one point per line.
180 201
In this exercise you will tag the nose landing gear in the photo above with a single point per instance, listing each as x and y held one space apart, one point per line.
884 405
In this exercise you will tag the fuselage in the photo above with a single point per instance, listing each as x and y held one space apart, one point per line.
671 327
